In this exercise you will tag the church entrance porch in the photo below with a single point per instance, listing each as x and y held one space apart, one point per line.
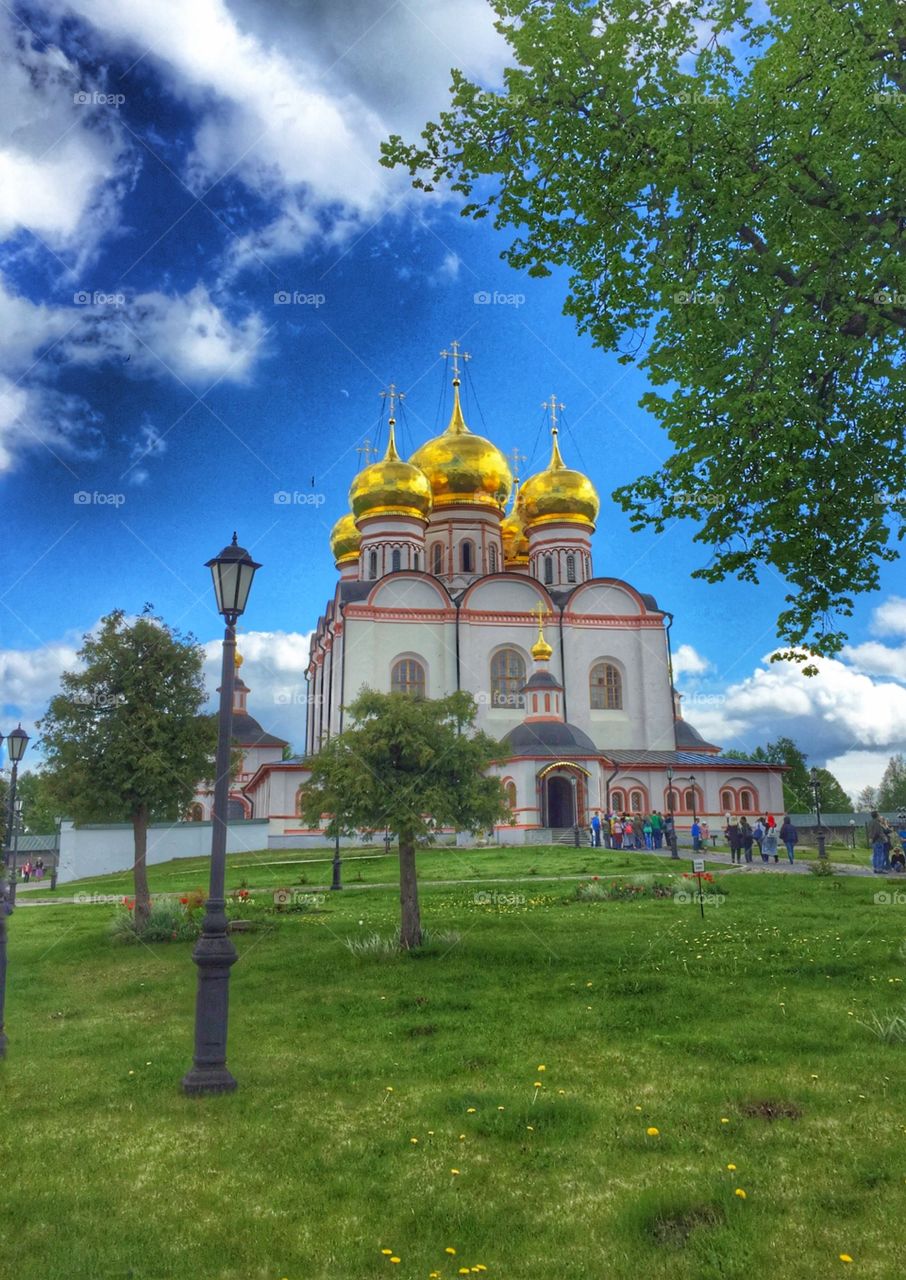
561 808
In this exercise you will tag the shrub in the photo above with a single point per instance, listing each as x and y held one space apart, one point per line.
821 868
168 921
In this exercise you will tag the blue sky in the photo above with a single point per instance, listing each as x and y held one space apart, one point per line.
167 173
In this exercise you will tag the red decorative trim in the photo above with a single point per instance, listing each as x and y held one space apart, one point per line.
614 620
377 613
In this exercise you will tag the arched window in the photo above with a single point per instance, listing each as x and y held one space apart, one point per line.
606 687
618 801
745 801
467 557
492 559
298 805
509 791
688 799
415 561
672 801
637 801
438 557
372 564
727 802
507 678
548 569
196 813
570 568
408 676
396 561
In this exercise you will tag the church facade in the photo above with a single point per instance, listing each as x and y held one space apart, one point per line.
450 577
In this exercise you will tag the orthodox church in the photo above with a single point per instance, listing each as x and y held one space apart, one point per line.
450 575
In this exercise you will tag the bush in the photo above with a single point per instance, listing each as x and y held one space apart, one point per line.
821 868
168 921
596 890
380 947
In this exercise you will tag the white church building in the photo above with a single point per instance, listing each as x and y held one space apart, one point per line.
450 576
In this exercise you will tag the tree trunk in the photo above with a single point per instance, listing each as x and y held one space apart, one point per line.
410 920
142 907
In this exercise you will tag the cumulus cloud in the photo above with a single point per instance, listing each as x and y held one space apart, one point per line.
274 665
688 662
187 336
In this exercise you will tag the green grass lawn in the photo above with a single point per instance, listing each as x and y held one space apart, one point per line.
737 1037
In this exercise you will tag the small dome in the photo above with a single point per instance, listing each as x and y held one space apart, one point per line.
462 468
559 493
345 539
512 531
390 487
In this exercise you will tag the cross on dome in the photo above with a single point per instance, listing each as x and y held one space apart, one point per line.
455 355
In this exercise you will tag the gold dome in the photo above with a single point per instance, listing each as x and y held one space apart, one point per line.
512 531
390 487
345 539
541 650
559 493
463 468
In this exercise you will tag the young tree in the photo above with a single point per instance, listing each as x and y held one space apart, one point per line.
39 807
406 764
833 798
126 739
867 799
892 791
721 183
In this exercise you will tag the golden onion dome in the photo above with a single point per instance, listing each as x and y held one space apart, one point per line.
345 539
512 531
463 468
390 487
541 650
559 493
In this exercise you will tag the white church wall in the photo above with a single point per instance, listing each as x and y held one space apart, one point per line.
374 646
646 719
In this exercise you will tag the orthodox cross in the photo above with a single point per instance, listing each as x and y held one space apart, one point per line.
456 355
366 452
553 405
393 395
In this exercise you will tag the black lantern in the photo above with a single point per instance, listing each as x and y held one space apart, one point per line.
16 744
232 571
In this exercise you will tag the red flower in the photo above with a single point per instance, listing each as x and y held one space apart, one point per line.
129 903
184 901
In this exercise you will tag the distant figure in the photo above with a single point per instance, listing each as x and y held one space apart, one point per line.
875 835
696 833
769 822
657 830
627 833
745 838
647 829
731 831
616 828
39 869
790 837
596 830
769 845
758 834
26 870
706 834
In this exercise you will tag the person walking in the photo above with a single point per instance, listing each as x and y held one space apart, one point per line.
627 833
758 834
26 870
616 828
731 831
706 834
596 830
875 836
646 829
696 833
790 837
745 837
657 830
39 870
769 845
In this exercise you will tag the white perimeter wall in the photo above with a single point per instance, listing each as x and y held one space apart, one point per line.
98 850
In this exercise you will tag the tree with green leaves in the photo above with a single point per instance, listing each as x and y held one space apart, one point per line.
39 806
892 791
867 799
833 798
722 183
406 765
126 740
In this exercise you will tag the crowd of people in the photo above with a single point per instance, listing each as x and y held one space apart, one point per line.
657 831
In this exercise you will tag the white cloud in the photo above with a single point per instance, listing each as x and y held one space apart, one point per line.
688 662
63 164
890 617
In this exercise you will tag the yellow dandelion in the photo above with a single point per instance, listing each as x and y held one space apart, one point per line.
413 1140
463 1271
652 1132
394 1258
389 1088
501 1108
537 1084
731 1166
430 1133
739 1192
470 1111
449 1249
725 1120
589 984
844 1257
530 1127
462 1137
386 1252
542 1067
454 1172
562 1092
638 1108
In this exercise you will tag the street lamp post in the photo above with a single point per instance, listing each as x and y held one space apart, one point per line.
671 811
815 781
336 862
852 831
15 749
214 954
14 851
